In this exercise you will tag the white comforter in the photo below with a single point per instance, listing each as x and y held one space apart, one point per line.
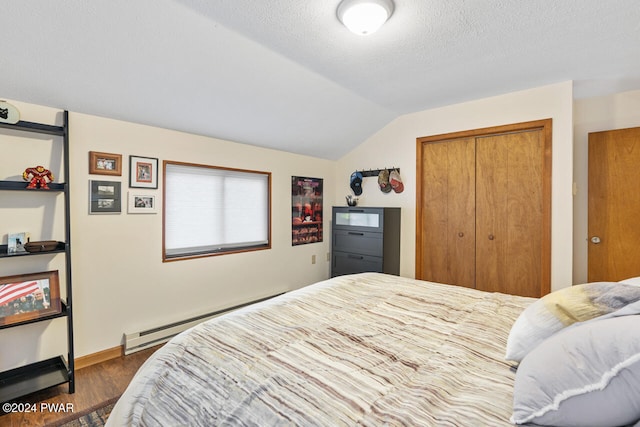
368 349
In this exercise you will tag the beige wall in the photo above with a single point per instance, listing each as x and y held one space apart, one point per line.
395 145
120 282
593 115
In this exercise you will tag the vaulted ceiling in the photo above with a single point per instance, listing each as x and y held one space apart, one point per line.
286 74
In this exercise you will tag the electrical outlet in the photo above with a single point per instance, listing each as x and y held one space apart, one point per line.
313 259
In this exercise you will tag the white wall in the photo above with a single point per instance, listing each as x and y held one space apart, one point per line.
617 111
395 145
121 285
120 282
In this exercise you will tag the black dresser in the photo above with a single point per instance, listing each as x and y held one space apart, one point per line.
365 239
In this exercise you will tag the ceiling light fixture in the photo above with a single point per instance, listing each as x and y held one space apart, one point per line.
364 17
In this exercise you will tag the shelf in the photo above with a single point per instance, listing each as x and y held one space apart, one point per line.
63 312
52 372
306 224
35 127
34 377
22 186
3 251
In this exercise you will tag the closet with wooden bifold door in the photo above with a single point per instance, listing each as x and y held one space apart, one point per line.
483 217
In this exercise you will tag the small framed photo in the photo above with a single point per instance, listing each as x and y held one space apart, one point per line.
143 172
105 163
16 242
142 203
105 197
27 297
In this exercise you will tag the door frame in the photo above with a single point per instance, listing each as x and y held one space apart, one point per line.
546 126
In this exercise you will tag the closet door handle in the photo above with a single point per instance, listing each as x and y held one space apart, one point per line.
461 234
353 233
355 256
491 237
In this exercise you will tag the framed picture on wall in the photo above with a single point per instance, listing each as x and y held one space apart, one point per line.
143 172
141 203
104 197
105 163
28 297
306 210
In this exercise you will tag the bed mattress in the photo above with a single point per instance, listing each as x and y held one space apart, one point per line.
367 349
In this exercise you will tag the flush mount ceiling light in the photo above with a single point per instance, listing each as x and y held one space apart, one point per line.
364 16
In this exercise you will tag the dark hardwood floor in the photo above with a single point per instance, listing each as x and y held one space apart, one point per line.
95 385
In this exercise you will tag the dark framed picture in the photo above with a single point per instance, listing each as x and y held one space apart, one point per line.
105 197
143 172
27 297
306 210
105 163
140 203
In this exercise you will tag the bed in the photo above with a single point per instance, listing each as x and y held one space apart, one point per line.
367 349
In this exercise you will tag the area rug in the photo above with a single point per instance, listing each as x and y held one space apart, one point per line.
95 416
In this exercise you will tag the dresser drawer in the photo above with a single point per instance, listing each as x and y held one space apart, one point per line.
359 242
365 239
358 219
349 263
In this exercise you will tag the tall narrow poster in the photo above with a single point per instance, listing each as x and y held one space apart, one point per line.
306 210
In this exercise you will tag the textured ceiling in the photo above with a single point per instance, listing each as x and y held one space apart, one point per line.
286 74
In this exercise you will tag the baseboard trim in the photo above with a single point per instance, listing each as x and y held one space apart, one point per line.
99 357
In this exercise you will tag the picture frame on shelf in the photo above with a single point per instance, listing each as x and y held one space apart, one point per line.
16 242
105 163
105 197
27 297
139 203
143 172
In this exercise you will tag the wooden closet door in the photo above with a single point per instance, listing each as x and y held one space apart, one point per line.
483 208
447 212
509 212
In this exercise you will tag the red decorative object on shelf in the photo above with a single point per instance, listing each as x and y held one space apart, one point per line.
38 176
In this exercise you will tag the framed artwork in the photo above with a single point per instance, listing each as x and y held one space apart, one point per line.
105 163
28 297
141 203
104 197
143 172
306 210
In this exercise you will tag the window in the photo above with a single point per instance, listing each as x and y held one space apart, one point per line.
211 210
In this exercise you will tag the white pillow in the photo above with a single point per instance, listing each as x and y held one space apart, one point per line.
562 308
585 375
632 281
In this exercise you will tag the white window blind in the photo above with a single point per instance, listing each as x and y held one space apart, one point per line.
212 210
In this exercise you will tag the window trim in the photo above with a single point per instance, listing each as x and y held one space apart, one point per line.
217 252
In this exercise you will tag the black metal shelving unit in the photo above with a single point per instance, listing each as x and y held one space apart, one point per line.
58 370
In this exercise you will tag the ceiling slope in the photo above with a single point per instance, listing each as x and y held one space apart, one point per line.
287 75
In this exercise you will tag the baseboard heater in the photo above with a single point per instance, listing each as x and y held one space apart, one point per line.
151 337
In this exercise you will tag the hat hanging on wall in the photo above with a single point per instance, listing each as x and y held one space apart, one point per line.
356 183
396 181
8 113
383 181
